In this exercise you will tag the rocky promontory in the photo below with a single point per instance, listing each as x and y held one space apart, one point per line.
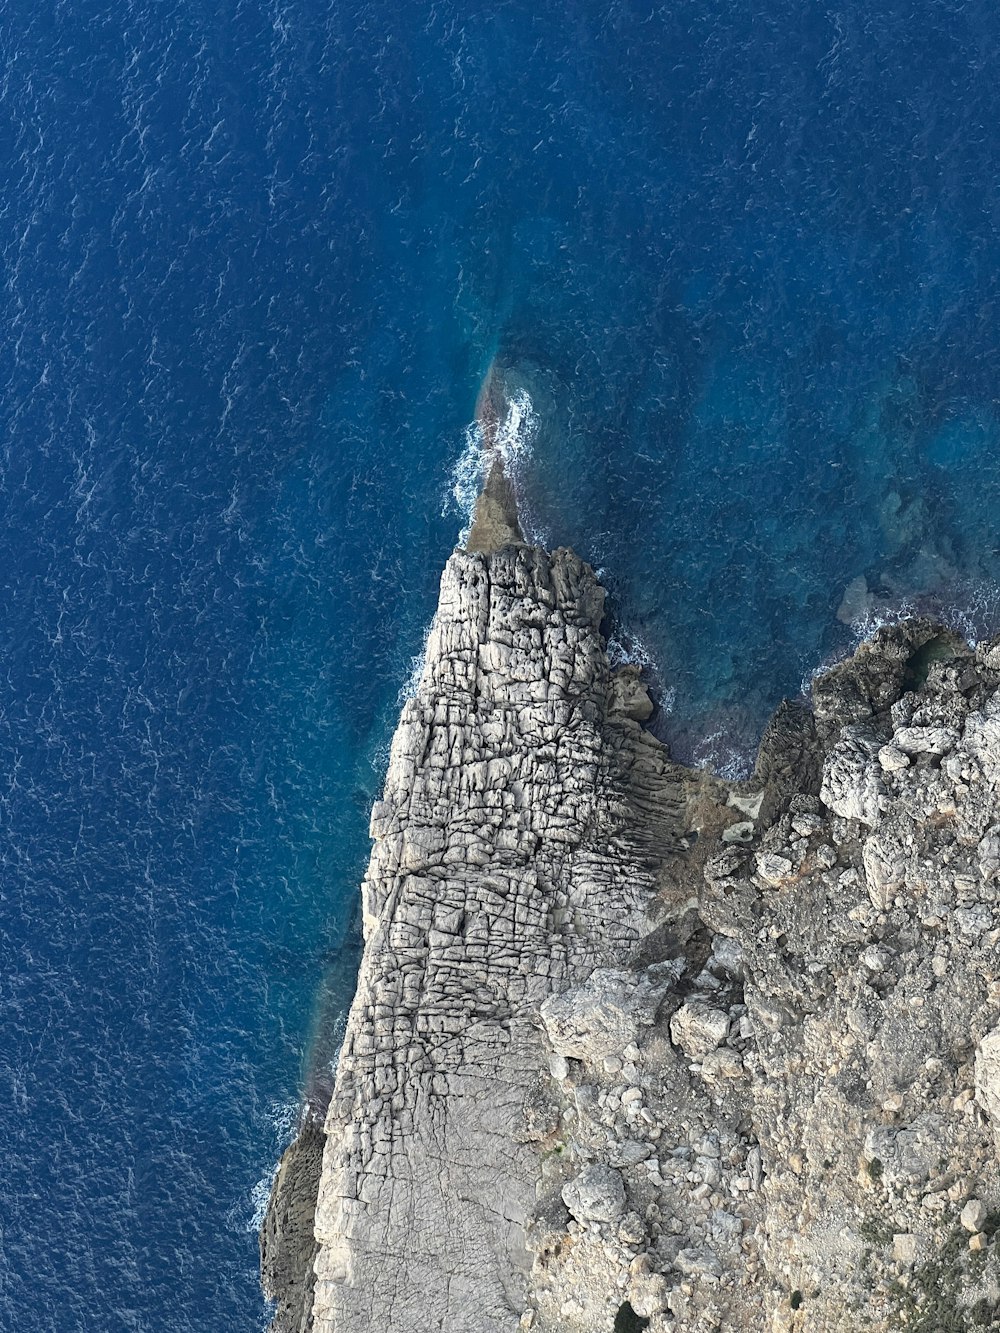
636 1048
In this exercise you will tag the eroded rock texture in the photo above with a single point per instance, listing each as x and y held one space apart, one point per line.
632 1048
509 862
806 1132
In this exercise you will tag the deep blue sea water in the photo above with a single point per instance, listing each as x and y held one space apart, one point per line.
256 258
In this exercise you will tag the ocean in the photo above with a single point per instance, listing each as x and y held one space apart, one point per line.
742 266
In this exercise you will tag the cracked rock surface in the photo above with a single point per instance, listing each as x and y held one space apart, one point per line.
509 862
633 1047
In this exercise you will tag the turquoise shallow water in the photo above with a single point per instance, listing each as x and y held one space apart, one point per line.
256 260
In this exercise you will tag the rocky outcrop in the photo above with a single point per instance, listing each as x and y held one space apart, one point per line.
511 859
287 1237
632 1048
867 923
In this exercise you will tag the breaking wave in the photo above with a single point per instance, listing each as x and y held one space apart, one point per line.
973 612
625 649
515 437
283 1121
716 754
411 684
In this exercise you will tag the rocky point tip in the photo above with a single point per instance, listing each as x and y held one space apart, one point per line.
495 524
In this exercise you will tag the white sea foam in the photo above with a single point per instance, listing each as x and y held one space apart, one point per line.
974 614
962 621
259 1196
862 628
379 757
283 1119
977 614
716 754
409 687
628 649
467 476
516 433
515 437
625 649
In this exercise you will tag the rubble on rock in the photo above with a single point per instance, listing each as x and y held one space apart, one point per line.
635 1047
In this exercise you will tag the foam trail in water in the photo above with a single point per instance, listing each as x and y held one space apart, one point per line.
283 1119
866 626
409 687
973 616
513 440
977 615
625 649
863 627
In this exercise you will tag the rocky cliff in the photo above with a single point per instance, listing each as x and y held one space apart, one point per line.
632 1048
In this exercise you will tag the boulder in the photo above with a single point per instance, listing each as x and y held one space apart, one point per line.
907 1155
925 740
597 1194
698 1028
852 777
603 1016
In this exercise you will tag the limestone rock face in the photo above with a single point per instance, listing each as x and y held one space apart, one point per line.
988 1079
505 870
629 1042
852 777
698 1028
287 1241
872 987
495 523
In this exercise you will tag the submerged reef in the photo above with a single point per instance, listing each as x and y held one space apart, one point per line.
635 1047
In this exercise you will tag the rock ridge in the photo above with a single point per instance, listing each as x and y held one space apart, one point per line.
636 1048
509 861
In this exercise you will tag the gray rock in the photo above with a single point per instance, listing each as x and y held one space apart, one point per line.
772 868
632 1230
547 1223
988 854
741 832
722 1065
699 1028
509 868
892 759
924 740
974 920
884 862
973 1216
629 696
906 1154
727 957
597 1194
287 1243
648 1294
603 1016
699 1261
495 524
909 1248
534 897
982 740
988 1079
852 778
558 1067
